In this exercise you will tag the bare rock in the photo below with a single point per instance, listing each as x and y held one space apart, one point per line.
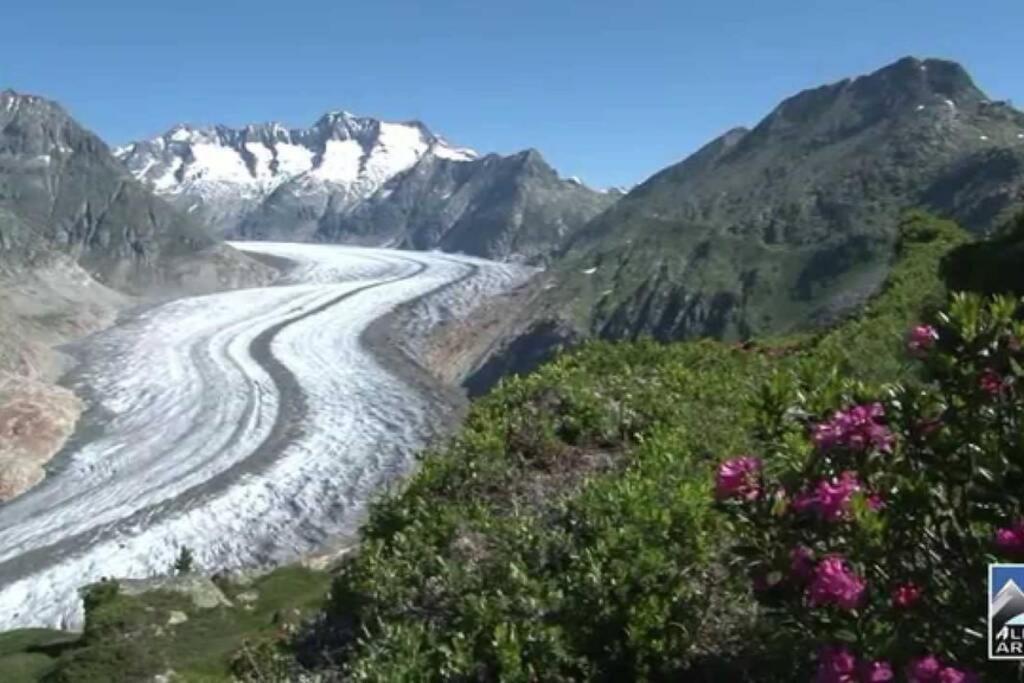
248 597
176 617
35 421
203 592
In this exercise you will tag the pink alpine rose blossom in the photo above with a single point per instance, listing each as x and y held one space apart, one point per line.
906 596
836 665
876 672
922 339
738 478
991 382
830 500
924 670
1010 541
834 584
857 429
951 675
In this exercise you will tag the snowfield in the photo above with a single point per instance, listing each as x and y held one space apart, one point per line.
251 426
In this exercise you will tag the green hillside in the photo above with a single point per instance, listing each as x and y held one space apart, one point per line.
790 224
567 533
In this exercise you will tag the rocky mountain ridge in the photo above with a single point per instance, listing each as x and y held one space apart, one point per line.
240 181
360 180
793 221
62 192
789 224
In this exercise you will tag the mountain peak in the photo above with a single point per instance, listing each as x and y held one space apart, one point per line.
226 174
922 77
337 117
531 155
844 107
341 124
12 99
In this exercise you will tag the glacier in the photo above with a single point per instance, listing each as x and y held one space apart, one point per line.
252 426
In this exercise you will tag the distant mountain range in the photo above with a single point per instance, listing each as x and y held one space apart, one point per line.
360 180
772 229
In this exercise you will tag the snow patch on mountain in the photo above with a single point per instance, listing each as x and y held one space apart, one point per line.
340 162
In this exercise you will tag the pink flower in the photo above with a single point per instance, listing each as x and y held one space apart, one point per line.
876 672
906 596
836 665
924 670
922 339
801 565
951 675
830 500
929 669
856 429
835 584
738 478
1010 541
991 382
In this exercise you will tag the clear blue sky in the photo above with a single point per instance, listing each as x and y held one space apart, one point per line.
609 91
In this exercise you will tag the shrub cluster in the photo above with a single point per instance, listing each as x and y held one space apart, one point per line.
568 533
867 520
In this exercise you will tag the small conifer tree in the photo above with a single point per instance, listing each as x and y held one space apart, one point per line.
185 563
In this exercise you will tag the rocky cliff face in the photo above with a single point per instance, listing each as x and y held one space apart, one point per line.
62 192
514 207
360 180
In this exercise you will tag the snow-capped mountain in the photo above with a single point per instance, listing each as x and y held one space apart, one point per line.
353 179
225 175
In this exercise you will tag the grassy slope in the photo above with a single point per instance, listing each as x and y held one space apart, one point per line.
129 638
27 655
567 532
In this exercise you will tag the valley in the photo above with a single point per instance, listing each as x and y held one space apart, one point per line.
250 426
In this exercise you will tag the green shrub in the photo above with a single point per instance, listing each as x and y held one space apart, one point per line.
263 660
867 531
990 266
567 532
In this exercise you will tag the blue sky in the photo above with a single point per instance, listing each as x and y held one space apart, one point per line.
608 91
